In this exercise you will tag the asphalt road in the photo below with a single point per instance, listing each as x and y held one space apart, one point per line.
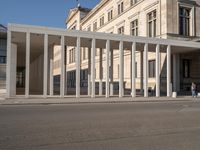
115 126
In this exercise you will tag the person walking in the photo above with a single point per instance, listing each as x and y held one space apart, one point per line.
194 89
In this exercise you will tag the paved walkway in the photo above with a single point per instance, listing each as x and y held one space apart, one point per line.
73 100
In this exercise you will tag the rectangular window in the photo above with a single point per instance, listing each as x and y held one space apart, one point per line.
2 59
186 68
95 26
134 27
133 2
110 15
102 21
152 24
184 21
120 8
89 28
152 68
121 30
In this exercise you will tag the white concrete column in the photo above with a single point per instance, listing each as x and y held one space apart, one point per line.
11 66
78 67
146 70
8 68
169 71
62 67
121 69
157 70
133 87
141 72
111 72
107 67
93 54
65 71
45 76
89 71
27 64
100 72
51 72
174 73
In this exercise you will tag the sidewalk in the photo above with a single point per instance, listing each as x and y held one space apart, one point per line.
73 100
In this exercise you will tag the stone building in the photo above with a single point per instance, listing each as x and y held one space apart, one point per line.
124 47
153 18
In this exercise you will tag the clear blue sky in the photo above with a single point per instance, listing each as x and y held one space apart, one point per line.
39 12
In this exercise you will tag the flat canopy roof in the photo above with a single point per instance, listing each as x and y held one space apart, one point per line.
178 46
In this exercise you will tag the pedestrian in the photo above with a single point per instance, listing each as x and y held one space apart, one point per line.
194 89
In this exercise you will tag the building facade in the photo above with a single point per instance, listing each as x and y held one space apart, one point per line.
135 48
153 18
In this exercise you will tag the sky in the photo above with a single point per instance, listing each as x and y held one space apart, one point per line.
50 13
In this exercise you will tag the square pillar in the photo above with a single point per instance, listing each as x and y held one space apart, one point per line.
133 87
93 54
157 70
78 67
51 72
27 64
107 67
89 71
121 69
111 72
45 75
169 87
100 72
146 70
11 66
141 72
62 64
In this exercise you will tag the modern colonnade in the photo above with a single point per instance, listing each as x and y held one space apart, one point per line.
95 40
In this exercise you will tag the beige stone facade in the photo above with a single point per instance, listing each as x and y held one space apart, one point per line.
120 17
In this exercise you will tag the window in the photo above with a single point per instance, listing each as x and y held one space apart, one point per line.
84 53
2 59
73 28
134 27
152 24
95 26
120 8
102 21
184 21
121 30
152 68
186 68
89 28
72 55
110 15
133 2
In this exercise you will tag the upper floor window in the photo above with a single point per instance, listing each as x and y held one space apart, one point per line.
89 28
121 30
134 27
95 26
72 55
152 23
73 27
134 1
102 21
184 21
110 15
120 7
